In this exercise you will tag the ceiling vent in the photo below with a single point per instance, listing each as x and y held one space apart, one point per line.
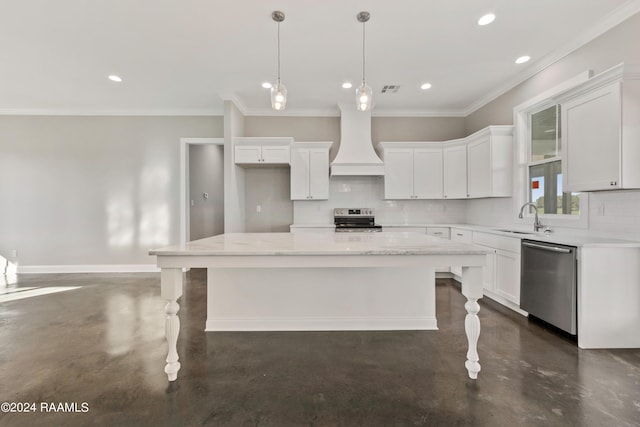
390 88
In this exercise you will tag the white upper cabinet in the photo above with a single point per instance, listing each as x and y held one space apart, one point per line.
601 132
262 151
310 170
413 170
489 162
455 170
428 173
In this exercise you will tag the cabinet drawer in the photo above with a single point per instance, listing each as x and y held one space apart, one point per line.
463 236
442 232
509 244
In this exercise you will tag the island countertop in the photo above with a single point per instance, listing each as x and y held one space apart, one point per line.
396 243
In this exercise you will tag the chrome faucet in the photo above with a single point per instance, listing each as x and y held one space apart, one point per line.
537 225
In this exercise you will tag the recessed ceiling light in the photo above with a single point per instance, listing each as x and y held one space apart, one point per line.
115 78
486 19
425 86
523 59
266 85
347 85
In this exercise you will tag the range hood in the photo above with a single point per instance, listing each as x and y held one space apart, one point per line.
356 155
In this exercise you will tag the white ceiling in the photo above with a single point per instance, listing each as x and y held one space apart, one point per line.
184 56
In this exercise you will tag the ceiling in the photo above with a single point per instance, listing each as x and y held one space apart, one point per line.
186 56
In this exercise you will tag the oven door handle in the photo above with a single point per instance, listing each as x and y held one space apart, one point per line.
547 248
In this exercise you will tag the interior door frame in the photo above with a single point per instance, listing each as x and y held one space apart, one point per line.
185 197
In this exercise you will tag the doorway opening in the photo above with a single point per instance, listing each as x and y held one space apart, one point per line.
201 188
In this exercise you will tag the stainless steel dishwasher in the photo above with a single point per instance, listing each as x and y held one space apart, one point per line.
548 284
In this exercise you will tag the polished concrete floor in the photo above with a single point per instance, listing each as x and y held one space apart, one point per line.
102 346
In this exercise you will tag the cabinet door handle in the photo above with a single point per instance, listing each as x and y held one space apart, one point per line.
458 234
439 232
613 183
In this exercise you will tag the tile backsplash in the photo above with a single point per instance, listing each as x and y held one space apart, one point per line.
611 213
615 214
368 192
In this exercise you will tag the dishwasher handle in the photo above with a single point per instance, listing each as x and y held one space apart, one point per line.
547 248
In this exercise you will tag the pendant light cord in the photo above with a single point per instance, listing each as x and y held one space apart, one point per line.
278 52
363 45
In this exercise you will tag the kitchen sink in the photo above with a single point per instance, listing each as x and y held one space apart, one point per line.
513 231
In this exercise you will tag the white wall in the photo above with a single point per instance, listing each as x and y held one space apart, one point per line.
91 190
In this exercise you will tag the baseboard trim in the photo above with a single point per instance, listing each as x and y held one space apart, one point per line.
445 275
100 268
505 302
321 324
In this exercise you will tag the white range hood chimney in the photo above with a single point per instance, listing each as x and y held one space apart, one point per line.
356 155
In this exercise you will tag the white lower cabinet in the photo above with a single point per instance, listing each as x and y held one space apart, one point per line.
489 271
501 275
462 236
507 283
442 232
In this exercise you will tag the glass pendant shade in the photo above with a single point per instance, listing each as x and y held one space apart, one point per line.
278 96
278 91
364 95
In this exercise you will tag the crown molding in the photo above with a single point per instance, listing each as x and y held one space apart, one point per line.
609 21
109 112
237 101
297 112
267 112
418 113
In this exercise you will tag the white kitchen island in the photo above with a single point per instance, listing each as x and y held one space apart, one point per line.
320 281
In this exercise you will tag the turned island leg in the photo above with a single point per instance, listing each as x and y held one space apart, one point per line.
171 283
472 289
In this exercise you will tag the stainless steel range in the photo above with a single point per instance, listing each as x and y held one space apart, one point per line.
355 220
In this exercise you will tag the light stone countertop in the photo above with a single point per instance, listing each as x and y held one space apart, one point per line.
563 237
393 243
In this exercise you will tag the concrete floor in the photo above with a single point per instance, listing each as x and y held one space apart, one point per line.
103 344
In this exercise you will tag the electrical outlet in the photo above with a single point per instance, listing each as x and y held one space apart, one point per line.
258 208
14 253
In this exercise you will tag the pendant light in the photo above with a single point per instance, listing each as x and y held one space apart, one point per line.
278 91
364 93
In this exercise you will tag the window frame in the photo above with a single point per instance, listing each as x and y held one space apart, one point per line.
522 131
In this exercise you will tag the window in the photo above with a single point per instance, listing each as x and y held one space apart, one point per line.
545 165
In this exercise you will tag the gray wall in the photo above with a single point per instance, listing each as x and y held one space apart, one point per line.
417 128
206 175
91 190
234 206
619 44
611 213
270 188
382 128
